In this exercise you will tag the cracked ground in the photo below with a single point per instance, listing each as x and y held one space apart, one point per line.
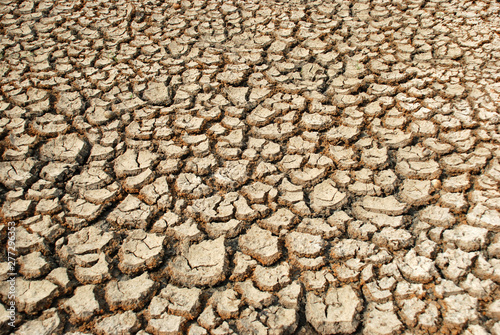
251 167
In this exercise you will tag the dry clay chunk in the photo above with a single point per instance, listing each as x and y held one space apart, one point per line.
482 216
132 294
158 93
272 278
132 212
86 241
33 265
201 264
304 245
49 323
261 245
140 251
18 173
31 296
124 323
94 274
381 319
338 312
65 148
325 197
183 302
83 305
133 162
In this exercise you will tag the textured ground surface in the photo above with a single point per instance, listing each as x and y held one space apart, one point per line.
251 167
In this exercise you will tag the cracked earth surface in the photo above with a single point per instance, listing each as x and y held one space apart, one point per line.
251 167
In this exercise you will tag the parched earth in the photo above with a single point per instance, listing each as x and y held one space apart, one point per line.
251 167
